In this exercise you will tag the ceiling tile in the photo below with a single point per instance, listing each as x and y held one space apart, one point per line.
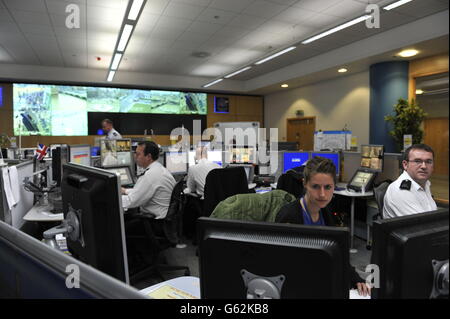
212 15
204 27
60 7
184 11
155 7
113 15
316 5
5 17
26 5
36 29
248 22
346 9
264 9
5 57
231 5
31 17
173 23
203 3
294 15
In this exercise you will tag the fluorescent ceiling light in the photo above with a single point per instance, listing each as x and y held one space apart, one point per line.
342 70
396 4
408 53
135 8
116 61
285 85
237 72
419 91
275 55
126 32
111 76
336 29
212 83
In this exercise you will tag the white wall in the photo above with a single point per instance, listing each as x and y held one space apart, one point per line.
334 103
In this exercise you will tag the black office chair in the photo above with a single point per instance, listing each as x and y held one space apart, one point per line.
170 236
292 182
379 192
222 183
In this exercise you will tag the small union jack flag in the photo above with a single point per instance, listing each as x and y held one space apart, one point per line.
41 151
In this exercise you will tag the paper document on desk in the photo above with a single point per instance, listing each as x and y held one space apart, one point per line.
8 189
169 292
355 295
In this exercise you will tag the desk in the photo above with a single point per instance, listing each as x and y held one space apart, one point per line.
187 287
39 213
353 195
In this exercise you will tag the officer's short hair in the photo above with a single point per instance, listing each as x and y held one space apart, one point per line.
423 147
107 121
151 148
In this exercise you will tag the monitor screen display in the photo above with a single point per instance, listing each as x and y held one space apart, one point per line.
44 109
115 152
176 162
124 172
361 179
215 156
80 154
334 156
372 157
241 155
294 159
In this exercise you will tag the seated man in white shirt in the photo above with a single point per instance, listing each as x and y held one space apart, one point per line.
197 173
153 190
410 193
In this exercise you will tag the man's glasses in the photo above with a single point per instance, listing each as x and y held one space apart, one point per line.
419 162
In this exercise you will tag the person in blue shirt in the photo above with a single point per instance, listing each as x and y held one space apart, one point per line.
311 209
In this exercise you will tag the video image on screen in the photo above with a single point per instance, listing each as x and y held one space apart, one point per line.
372 157
60 110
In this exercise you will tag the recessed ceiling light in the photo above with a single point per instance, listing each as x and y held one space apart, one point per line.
419 91
284 85
342 70
408 53
396 4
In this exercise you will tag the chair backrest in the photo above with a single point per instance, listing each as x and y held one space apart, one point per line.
379 192
172 221
222 183
291 182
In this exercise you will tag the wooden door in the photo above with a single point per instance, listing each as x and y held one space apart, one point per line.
301 130
436 135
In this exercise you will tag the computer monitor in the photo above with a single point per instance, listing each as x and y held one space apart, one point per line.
362 180
215 156
410 252
372 157
93 206
334 156
95 151
246 259
176 162
287 146
29 269
294 159
60 156
241 155
115 152
80 154
124 172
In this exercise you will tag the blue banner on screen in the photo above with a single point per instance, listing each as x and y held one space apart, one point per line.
62 110
1 96
332 156
294 159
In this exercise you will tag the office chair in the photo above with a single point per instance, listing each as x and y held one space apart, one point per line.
379 192
292 182
222 183
159 242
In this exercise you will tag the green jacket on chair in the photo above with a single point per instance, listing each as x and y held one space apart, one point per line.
253 206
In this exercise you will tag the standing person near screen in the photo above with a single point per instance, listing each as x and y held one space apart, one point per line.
311 209
411 193
108 129
153 189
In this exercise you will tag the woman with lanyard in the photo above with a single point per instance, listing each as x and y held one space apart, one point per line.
311 209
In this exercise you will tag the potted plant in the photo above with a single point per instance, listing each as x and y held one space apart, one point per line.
407 119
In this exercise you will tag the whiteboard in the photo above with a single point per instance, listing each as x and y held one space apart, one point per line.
332 140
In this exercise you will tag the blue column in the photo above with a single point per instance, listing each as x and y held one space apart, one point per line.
388 83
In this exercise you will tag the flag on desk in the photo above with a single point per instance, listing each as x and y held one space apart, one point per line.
41 151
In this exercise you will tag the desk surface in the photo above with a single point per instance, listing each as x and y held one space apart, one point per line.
188 287
351 193
39 213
